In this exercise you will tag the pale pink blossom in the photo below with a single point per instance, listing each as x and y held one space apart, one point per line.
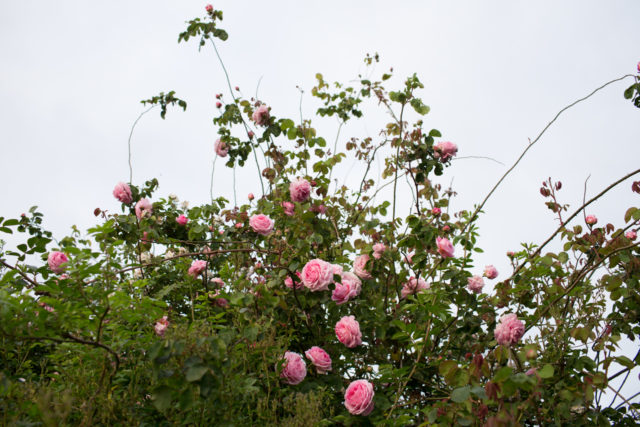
218 282
197 267
353 281
300 190
358 398
378 250
288 208
57 261
182 220
261 115
631 235
591 219
319 358
348 331
445 248
143 208
238 225
250 196
341 293
409 258
122 192
288 282
337 269
221 148
295 369
413 286
359 267
445 150
509 330
490 272
261 224
475 284
317 275
161 326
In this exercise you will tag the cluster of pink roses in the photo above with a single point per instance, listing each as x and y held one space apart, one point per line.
161 326
57 261
509 329
300 190
295 368
413 286
221 148
378 250
197 267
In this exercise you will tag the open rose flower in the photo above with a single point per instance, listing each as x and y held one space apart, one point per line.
317 275
341 293
475 284
143 208
490 272
413 286
261 115
122 192
358 398
197 267
319 358
161 326
631 235
445 150
288 282
591 219
359 267
221 148
261 224
294 369
288 208
354 282
218 282
182 220
509 330
57 261
348 331
300 190
445 248
378 250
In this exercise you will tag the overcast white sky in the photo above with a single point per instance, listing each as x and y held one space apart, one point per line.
72 74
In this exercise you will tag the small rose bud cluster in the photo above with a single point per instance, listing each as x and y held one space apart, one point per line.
378 250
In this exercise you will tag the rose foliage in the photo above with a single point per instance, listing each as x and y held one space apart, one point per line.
315 304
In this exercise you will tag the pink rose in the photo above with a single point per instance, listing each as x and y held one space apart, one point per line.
238 225
218 105
358 398
261 115
409 258
250 134
250 196
319 358
591 219
337 269
348 332
490 272
218 282
261 224
288 282
218 300
475 284
56 261
359 266
300 190
444 150
197 267
161 326
353 281
122 192
631 235
436 211
413 286
288 208
639 67
341 293
509 330
209 8
221 148
182 220
143 208
317 274
294 369
378 250
445 248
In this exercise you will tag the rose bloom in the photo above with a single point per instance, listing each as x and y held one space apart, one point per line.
436 211
358 398
319 358
143 208
378 250
288 208
294 369
475 284
218 282
161 326
359 267
631 235
413 286
509 330
197 267
300 190
591 219
221 148
261 224
261 115
209 8
288 282
56 261
490 272
444 150
353 281
182 220
122 192
348 331
341 293
445 248
218 300
250 196
317 274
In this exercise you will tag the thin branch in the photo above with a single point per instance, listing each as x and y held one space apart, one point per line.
129 142
21 273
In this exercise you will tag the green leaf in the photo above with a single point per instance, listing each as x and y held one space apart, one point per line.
546 371
461 394
420 108
502 374
161 397
195 373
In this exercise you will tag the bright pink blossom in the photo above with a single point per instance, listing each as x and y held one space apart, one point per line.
221 148
348 331
445 150
490 272
261 115
631 235
320 359
358 398
445 248
317 275
295 369
300 190
57 261
182 220
122 192
475 284
436 211
250 196
288 282
509 330
143 208
359 267
591 219
261 224
378 250
161 326
197 267
413 286
209 8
